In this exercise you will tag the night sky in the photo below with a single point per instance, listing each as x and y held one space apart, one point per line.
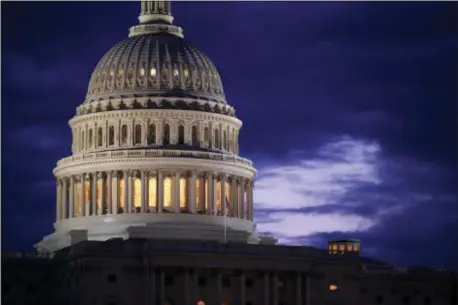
349 114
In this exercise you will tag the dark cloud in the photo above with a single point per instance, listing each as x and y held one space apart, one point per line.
301 75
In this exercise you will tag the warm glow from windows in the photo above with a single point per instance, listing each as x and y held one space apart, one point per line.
228 191
152 189
206 196
350 247
200 193
113 192
121 192
342 247
218 196
183 195
78 197
186 73
137 193
176 72
333 287
87 193
99 193
152 72
167 192
142 72
334 247
201 303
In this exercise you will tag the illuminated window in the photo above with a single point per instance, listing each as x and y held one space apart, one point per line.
333 287
110 135
342 247
124 134
200 195
176 72
218 196
195 138
121 192
113 190
99 193
350 247
206 196
181 134
87 194
152 134
78 197
168 192
166 139
356 247
138 134
142 72
334 247
152 191
186 73
111 72
137 193
152 72
183 195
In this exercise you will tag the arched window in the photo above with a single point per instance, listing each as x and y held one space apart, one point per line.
216 142
138 134
195 137
206 136
166 139
152 134
90 135
137 194
167 192
183 193
99 136
180 134
152 192
111 135
124 134
224 139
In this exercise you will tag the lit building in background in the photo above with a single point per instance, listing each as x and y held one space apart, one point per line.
155 206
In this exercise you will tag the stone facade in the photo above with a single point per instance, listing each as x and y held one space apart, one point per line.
159 272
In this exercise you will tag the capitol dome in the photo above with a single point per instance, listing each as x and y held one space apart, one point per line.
154 147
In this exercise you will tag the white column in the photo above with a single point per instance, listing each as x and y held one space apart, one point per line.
249 200
214 197
82 193
58 199
275 289
242 199
94 194
126 193
144 180
102 195
110 194
298 288
223 195
192 192
176 192
115 198
64 198
71 208
160 191
266 288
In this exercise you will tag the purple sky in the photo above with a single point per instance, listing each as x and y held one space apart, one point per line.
349 113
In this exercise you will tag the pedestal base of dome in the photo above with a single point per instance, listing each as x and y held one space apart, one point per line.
150 226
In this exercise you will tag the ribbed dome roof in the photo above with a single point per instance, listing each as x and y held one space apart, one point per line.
155 64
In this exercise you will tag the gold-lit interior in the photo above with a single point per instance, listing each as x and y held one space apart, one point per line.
183 193
87 194
152 192
167 192
78 197
199 194
333 287
137 192
99 193
218 196
121 192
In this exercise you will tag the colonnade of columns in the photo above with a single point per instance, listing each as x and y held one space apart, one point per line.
154 191
156 291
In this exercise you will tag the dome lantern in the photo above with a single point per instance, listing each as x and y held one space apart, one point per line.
156 17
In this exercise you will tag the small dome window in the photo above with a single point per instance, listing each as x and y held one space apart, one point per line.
186 73
153 72
333 287
111 72
142 72
121 72
176 72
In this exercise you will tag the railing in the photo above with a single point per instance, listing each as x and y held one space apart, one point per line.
155 153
